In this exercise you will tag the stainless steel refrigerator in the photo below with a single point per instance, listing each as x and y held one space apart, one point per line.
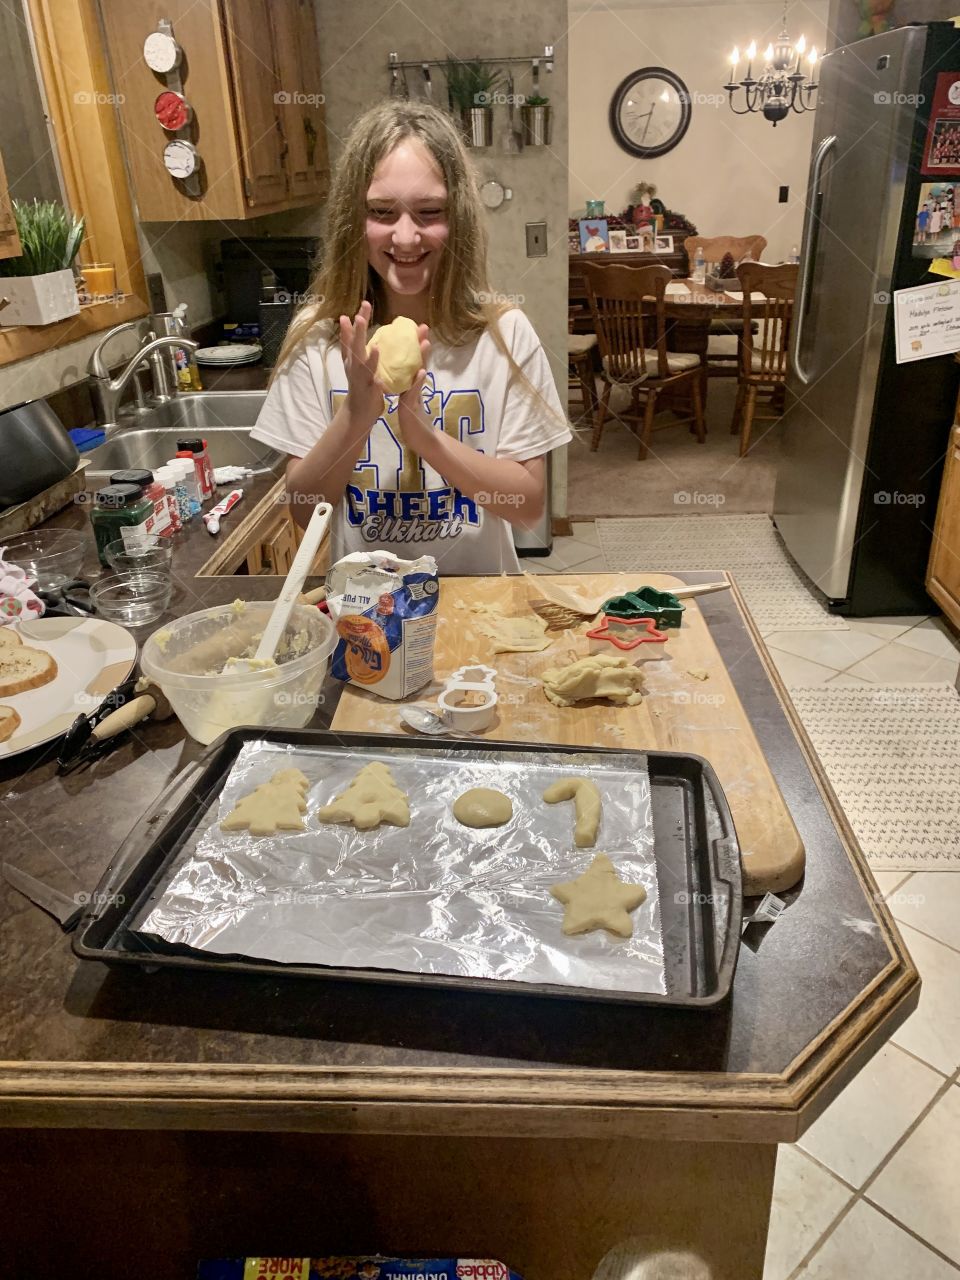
864 437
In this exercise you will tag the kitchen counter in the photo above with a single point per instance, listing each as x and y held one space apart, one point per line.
539 1131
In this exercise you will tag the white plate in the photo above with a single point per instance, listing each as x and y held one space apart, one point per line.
92 656
229 353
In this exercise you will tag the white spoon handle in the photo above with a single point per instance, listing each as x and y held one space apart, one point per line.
302 561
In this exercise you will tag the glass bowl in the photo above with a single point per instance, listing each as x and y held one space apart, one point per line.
51 556
131 599
154 555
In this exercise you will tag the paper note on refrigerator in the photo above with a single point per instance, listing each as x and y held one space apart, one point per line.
927 320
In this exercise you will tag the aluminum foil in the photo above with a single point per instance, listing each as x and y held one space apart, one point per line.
434 897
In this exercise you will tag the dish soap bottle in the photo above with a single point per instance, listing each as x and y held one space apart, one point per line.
188 374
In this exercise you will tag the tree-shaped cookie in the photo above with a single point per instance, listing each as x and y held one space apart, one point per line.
599 899
371 798
276 805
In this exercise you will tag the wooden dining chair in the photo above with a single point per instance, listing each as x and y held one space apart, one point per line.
580 367
768 294
629 317
723 336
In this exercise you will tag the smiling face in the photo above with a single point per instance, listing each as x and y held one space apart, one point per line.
407 225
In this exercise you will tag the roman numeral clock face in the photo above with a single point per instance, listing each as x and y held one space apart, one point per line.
650 112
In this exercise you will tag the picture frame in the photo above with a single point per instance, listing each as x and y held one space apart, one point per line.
594 235
632 244
663 244
618 241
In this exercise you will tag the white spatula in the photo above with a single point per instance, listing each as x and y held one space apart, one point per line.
290 592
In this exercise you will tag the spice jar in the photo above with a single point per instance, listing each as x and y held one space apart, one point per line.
120 511
201 458
153 490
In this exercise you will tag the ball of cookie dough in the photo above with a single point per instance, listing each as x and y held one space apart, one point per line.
483 807
400 358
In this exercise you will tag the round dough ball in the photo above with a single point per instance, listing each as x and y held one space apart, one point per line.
483 807
400 358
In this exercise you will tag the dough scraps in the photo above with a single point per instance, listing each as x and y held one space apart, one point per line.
371 798
400 357
525 634
598 899
698 673
483 807
276 805
598 676
586 799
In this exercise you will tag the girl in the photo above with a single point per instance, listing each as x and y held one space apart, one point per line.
445 468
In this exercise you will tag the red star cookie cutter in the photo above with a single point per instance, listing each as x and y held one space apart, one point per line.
627 633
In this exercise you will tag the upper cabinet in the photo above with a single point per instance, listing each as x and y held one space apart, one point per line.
249 71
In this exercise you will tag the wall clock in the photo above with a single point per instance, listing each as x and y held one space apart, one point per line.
650 112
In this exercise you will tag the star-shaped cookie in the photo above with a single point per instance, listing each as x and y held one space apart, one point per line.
598 899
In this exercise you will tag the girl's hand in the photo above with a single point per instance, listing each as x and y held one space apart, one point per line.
365 391
414 418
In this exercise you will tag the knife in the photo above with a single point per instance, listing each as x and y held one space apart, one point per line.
55 903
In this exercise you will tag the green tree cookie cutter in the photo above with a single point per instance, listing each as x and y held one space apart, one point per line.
647 602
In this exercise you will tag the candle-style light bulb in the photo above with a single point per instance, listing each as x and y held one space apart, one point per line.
751 50
801 44
735 57
768 53
812 58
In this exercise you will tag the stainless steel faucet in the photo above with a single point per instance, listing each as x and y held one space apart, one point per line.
106 391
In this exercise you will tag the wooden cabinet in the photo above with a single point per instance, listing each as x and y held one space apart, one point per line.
9 240
264 542
251 74
943 571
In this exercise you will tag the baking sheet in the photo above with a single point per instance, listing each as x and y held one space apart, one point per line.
434 897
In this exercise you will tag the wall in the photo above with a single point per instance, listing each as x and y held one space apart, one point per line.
726 172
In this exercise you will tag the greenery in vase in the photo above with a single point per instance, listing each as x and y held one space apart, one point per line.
471 84
49 238
727 268
536 100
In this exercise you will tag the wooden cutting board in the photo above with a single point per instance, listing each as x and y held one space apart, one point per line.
680 711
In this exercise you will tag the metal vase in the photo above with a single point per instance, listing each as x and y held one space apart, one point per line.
536 123
478 126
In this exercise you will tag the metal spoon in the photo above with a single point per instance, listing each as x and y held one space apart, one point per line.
429 722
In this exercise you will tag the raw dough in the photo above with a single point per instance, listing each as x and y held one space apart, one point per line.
276 805
371 798
483 807
698 673
400 358
598 899
586 799
598 676
525 634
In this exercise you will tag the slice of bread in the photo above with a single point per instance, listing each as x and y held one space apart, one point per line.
22 668
9 723
8 638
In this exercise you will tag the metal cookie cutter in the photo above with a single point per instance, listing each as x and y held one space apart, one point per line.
470 680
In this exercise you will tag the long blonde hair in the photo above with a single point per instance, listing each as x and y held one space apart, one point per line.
462 304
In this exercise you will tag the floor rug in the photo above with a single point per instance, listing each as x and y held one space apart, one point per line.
891 752
778 596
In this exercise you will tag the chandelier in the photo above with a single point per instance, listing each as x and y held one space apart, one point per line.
782 86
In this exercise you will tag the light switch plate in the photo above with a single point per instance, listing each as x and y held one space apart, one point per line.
536 239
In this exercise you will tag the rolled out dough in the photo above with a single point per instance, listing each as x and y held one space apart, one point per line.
483 807
400 357
586 799
276 805
525 634
598 676
371 798
599 899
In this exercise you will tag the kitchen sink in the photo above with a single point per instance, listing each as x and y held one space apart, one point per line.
223 418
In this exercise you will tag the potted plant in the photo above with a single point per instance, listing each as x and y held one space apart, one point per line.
724 278
470 87
38 287
535 120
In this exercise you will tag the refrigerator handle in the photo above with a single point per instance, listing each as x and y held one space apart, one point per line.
811 234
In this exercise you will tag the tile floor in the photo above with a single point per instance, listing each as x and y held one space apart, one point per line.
872 1189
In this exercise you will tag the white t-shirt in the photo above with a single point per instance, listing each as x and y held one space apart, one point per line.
394 501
